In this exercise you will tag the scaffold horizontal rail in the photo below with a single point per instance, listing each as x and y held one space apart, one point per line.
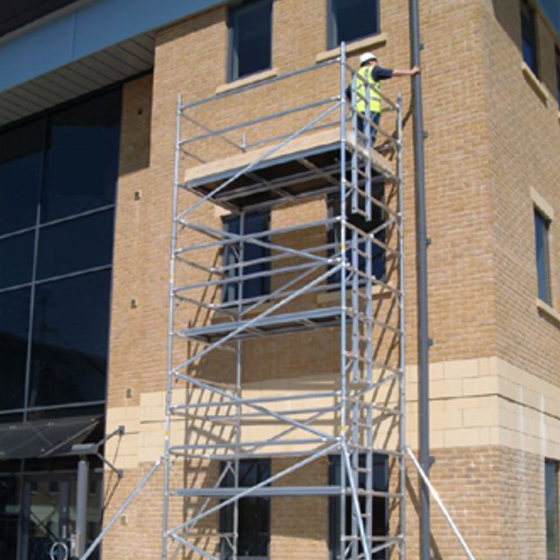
271 491
271 324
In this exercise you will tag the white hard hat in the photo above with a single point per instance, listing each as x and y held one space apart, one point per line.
366 57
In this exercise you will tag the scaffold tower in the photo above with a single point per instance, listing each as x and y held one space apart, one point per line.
286 317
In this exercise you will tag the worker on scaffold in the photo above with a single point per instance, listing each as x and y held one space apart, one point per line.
368 86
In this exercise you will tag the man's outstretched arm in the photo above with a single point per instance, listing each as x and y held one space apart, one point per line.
412 72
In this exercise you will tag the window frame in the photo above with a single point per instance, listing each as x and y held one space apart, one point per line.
528 12
333 236
542 224
232 73
552 522
229 253
333 534
557 60
332 28
265 463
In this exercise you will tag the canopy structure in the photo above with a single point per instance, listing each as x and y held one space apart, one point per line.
44 438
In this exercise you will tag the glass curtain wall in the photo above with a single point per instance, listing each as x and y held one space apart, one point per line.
58 177
57 192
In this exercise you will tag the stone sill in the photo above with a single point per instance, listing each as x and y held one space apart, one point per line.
548 311
535 83
544 207
372 42
248 80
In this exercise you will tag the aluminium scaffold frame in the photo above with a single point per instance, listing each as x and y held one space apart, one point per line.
367 189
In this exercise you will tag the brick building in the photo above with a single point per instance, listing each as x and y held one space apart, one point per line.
88 145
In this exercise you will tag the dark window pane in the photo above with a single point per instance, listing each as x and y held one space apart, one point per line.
20 176
352 19
542 258
76 245
82 158
551 501
380 505
376 253
16 259
255 222
558 76
254 513
529 37
9 516
251 43
70 336
14 325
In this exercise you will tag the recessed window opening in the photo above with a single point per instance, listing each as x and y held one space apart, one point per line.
551 469
253 515
349 20
245 258
542 254
529 36
250 44
380 505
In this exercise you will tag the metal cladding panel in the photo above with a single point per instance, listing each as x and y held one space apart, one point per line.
78 78
82 32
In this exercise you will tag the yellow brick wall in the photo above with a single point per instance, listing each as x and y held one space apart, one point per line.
494 383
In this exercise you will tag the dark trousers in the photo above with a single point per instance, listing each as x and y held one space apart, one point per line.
362 125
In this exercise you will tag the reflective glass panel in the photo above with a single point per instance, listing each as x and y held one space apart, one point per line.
70 338
75 245
20 175
81 158
16 259
14 322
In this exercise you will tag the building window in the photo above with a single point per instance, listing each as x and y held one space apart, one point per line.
58 178
248 263
250 44
253 515
542 225
551 469
529 36
349 20
557 55
359 221
380 505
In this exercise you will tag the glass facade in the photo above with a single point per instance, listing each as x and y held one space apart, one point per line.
58 179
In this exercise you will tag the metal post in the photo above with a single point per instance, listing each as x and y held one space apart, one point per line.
402 334
170 335
343 273
81 506
422 286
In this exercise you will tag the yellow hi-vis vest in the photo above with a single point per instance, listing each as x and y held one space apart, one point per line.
362 80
